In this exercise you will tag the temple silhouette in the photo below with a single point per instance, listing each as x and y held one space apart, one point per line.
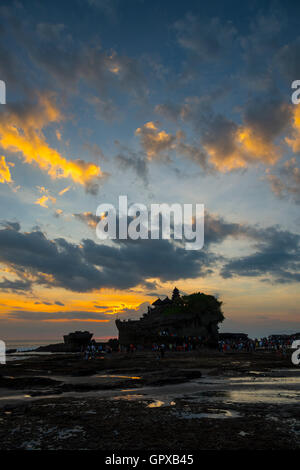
194 316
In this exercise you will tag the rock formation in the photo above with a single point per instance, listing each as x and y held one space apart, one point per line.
195 315
78 339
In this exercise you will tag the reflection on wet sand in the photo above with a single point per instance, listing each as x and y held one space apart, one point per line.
247 389
213 413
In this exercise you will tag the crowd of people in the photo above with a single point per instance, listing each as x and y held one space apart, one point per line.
271 343
278 343
184 346
93 350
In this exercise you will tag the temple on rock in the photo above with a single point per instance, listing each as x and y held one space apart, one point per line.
78 339
194 316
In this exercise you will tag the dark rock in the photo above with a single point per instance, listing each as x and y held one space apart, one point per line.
26 382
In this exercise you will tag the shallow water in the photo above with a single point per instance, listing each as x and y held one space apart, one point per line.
160 403
283 388
130 397
246 396
116 376
213 413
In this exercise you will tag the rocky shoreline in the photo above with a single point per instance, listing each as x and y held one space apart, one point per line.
134 401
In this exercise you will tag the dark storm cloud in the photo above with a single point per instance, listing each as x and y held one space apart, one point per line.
277 257
19 285
125 264
90 266
11 225
136 261
217 230
52 263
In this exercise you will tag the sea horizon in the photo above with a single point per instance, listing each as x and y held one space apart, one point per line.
30 344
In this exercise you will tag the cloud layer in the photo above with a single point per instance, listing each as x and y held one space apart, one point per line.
89 266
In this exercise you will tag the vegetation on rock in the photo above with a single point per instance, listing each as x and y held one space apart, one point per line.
197 303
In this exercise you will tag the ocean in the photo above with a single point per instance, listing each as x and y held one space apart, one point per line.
29 344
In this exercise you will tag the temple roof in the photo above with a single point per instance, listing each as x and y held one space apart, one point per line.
159 302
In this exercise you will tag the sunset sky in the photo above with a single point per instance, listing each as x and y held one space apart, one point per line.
162 101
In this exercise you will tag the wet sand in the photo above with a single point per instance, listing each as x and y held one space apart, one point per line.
202 400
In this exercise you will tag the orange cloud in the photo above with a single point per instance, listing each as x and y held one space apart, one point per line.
294 141
58 134
231 148
89 218
42 201
5 176
21 132
63 191
256 147
154 141
245 147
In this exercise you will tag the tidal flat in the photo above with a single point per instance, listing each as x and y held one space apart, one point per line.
189 400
